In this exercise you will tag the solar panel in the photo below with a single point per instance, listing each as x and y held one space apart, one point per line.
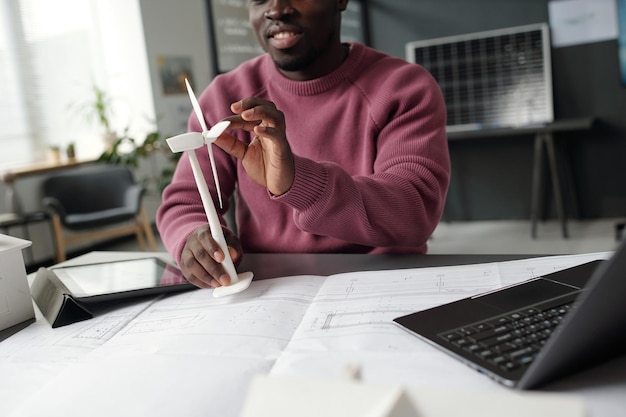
498 78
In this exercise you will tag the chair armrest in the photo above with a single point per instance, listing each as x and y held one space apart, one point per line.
53 204
133 196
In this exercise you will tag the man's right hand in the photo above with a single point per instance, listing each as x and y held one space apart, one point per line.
268 159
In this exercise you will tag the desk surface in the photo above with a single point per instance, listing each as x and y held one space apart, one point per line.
269 265
191 354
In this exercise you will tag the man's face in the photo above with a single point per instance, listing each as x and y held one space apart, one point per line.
301 35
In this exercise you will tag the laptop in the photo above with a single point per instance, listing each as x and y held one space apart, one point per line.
537 331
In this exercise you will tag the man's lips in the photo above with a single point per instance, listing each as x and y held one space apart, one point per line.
283 38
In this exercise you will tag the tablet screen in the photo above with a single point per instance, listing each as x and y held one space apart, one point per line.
146 275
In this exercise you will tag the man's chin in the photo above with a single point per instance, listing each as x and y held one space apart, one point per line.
290 66
293 63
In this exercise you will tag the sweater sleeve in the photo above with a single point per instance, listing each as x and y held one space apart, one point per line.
400 203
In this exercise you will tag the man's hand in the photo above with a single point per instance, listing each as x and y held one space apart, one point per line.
267 159
200 261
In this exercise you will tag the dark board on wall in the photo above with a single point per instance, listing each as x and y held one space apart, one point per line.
355 23
233 41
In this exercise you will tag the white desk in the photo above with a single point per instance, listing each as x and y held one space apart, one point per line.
193 355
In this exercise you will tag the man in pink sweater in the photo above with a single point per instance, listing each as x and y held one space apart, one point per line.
333 147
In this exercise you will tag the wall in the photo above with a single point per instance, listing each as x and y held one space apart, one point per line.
176 29
491 177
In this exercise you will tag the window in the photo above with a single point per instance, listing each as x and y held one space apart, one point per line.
45 60
52 54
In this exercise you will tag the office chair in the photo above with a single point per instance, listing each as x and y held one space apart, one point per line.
101 203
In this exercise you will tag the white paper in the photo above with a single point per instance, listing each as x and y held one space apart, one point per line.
35 356
193 354
575 22
186 354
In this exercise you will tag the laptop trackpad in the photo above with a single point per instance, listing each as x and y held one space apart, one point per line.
525 294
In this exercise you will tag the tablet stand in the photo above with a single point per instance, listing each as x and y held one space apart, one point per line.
55 301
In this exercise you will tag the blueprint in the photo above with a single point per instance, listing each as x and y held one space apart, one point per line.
143 352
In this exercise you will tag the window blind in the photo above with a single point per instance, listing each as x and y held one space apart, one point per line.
48 62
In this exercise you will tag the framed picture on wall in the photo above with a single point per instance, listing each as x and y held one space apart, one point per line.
173 70
232 40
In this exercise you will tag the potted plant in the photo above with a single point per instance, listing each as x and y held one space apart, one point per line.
70 151
98 110
101 107
54 154
125 150
122 149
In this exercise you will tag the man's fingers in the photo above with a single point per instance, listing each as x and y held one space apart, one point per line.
258 111
201 260
231 145
247 103
236 123
194 272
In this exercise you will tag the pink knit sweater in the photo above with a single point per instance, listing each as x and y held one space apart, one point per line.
371 160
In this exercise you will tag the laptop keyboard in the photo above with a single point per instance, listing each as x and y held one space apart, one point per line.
510 341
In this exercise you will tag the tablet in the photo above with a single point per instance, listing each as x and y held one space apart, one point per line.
121 279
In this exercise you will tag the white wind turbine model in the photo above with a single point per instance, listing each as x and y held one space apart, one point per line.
188 142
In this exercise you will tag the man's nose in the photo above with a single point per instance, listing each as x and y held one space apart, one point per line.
276 9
